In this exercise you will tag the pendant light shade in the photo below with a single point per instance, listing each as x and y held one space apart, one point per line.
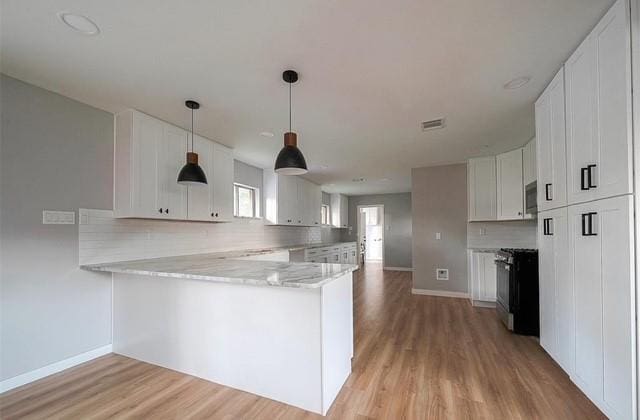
191 173
290 160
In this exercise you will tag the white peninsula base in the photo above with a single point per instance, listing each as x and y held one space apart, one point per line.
292 345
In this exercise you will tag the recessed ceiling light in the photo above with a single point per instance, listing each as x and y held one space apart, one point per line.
384 179
79 23
331 185
358 180
517 83
267 134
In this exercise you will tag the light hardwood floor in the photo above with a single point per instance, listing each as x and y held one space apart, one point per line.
416 357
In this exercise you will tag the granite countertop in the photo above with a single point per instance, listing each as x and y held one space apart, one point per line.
227 267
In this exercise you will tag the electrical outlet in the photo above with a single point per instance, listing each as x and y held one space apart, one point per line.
483 231
438 235
442 274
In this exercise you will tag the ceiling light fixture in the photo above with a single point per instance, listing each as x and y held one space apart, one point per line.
290 160
79 23
517 83
267 134
191 173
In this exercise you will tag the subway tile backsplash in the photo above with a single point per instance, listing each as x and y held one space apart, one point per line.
104 238
514 234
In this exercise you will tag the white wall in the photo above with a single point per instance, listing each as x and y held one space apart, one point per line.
56 155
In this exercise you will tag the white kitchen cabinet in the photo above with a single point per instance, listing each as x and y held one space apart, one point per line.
529 173
483 277
213 201
339 210
291 200
510 194
222 183
602 262
482 188
557 335
551 145
598 95
148 156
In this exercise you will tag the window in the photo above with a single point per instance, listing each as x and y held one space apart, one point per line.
245 201
324 215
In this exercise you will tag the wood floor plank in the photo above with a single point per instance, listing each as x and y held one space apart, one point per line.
416 357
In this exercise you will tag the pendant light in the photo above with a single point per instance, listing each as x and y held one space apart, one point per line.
191 173
290 160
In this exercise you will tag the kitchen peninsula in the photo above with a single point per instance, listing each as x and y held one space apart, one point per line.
277 329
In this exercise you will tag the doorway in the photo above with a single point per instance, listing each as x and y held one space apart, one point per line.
371 233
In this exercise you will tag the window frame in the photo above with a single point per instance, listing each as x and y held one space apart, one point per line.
326 220
255 198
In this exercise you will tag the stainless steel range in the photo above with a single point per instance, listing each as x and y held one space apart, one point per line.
518 294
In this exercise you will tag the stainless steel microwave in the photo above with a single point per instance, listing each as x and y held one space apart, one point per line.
531 198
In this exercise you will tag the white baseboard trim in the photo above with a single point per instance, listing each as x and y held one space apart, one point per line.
397 268
34 375
442 293
483 304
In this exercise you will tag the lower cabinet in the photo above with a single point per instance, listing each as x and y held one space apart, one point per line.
483 283
600 244
556 288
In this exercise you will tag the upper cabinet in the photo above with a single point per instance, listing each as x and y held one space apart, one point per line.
148 155
529 165
339 210
510 190
213 201
482 189
291 200
550 139
598 95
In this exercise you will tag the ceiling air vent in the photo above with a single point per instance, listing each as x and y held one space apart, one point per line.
433 124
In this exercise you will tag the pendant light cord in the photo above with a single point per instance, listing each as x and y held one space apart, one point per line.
192 129
289 107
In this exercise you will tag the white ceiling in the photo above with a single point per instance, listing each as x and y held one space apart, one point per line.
370 72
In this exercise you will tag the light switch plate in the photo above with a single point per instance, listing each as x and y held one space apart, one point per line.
50 217
438 235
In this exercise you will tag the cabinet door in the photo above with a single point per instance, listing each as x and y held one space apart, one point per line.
487 277
509 186
147 142
200 197
529 162
599 111
336 210
316 204
482 188
551 145
222 183
556 288
601 238
287 200
303 204
344 211
172 157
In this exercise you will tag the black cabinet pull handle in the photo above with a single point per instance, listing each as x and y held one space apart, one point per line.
587 224
547 196
589 176
583 185
211 214
166 211
544 226
160 211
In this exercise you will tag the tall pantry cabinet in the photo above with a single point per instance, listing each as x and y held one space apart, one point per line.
586 225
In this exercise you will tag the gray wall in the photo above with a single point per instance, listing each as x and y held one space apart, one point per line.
57 154
397 218
440 205
246 174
